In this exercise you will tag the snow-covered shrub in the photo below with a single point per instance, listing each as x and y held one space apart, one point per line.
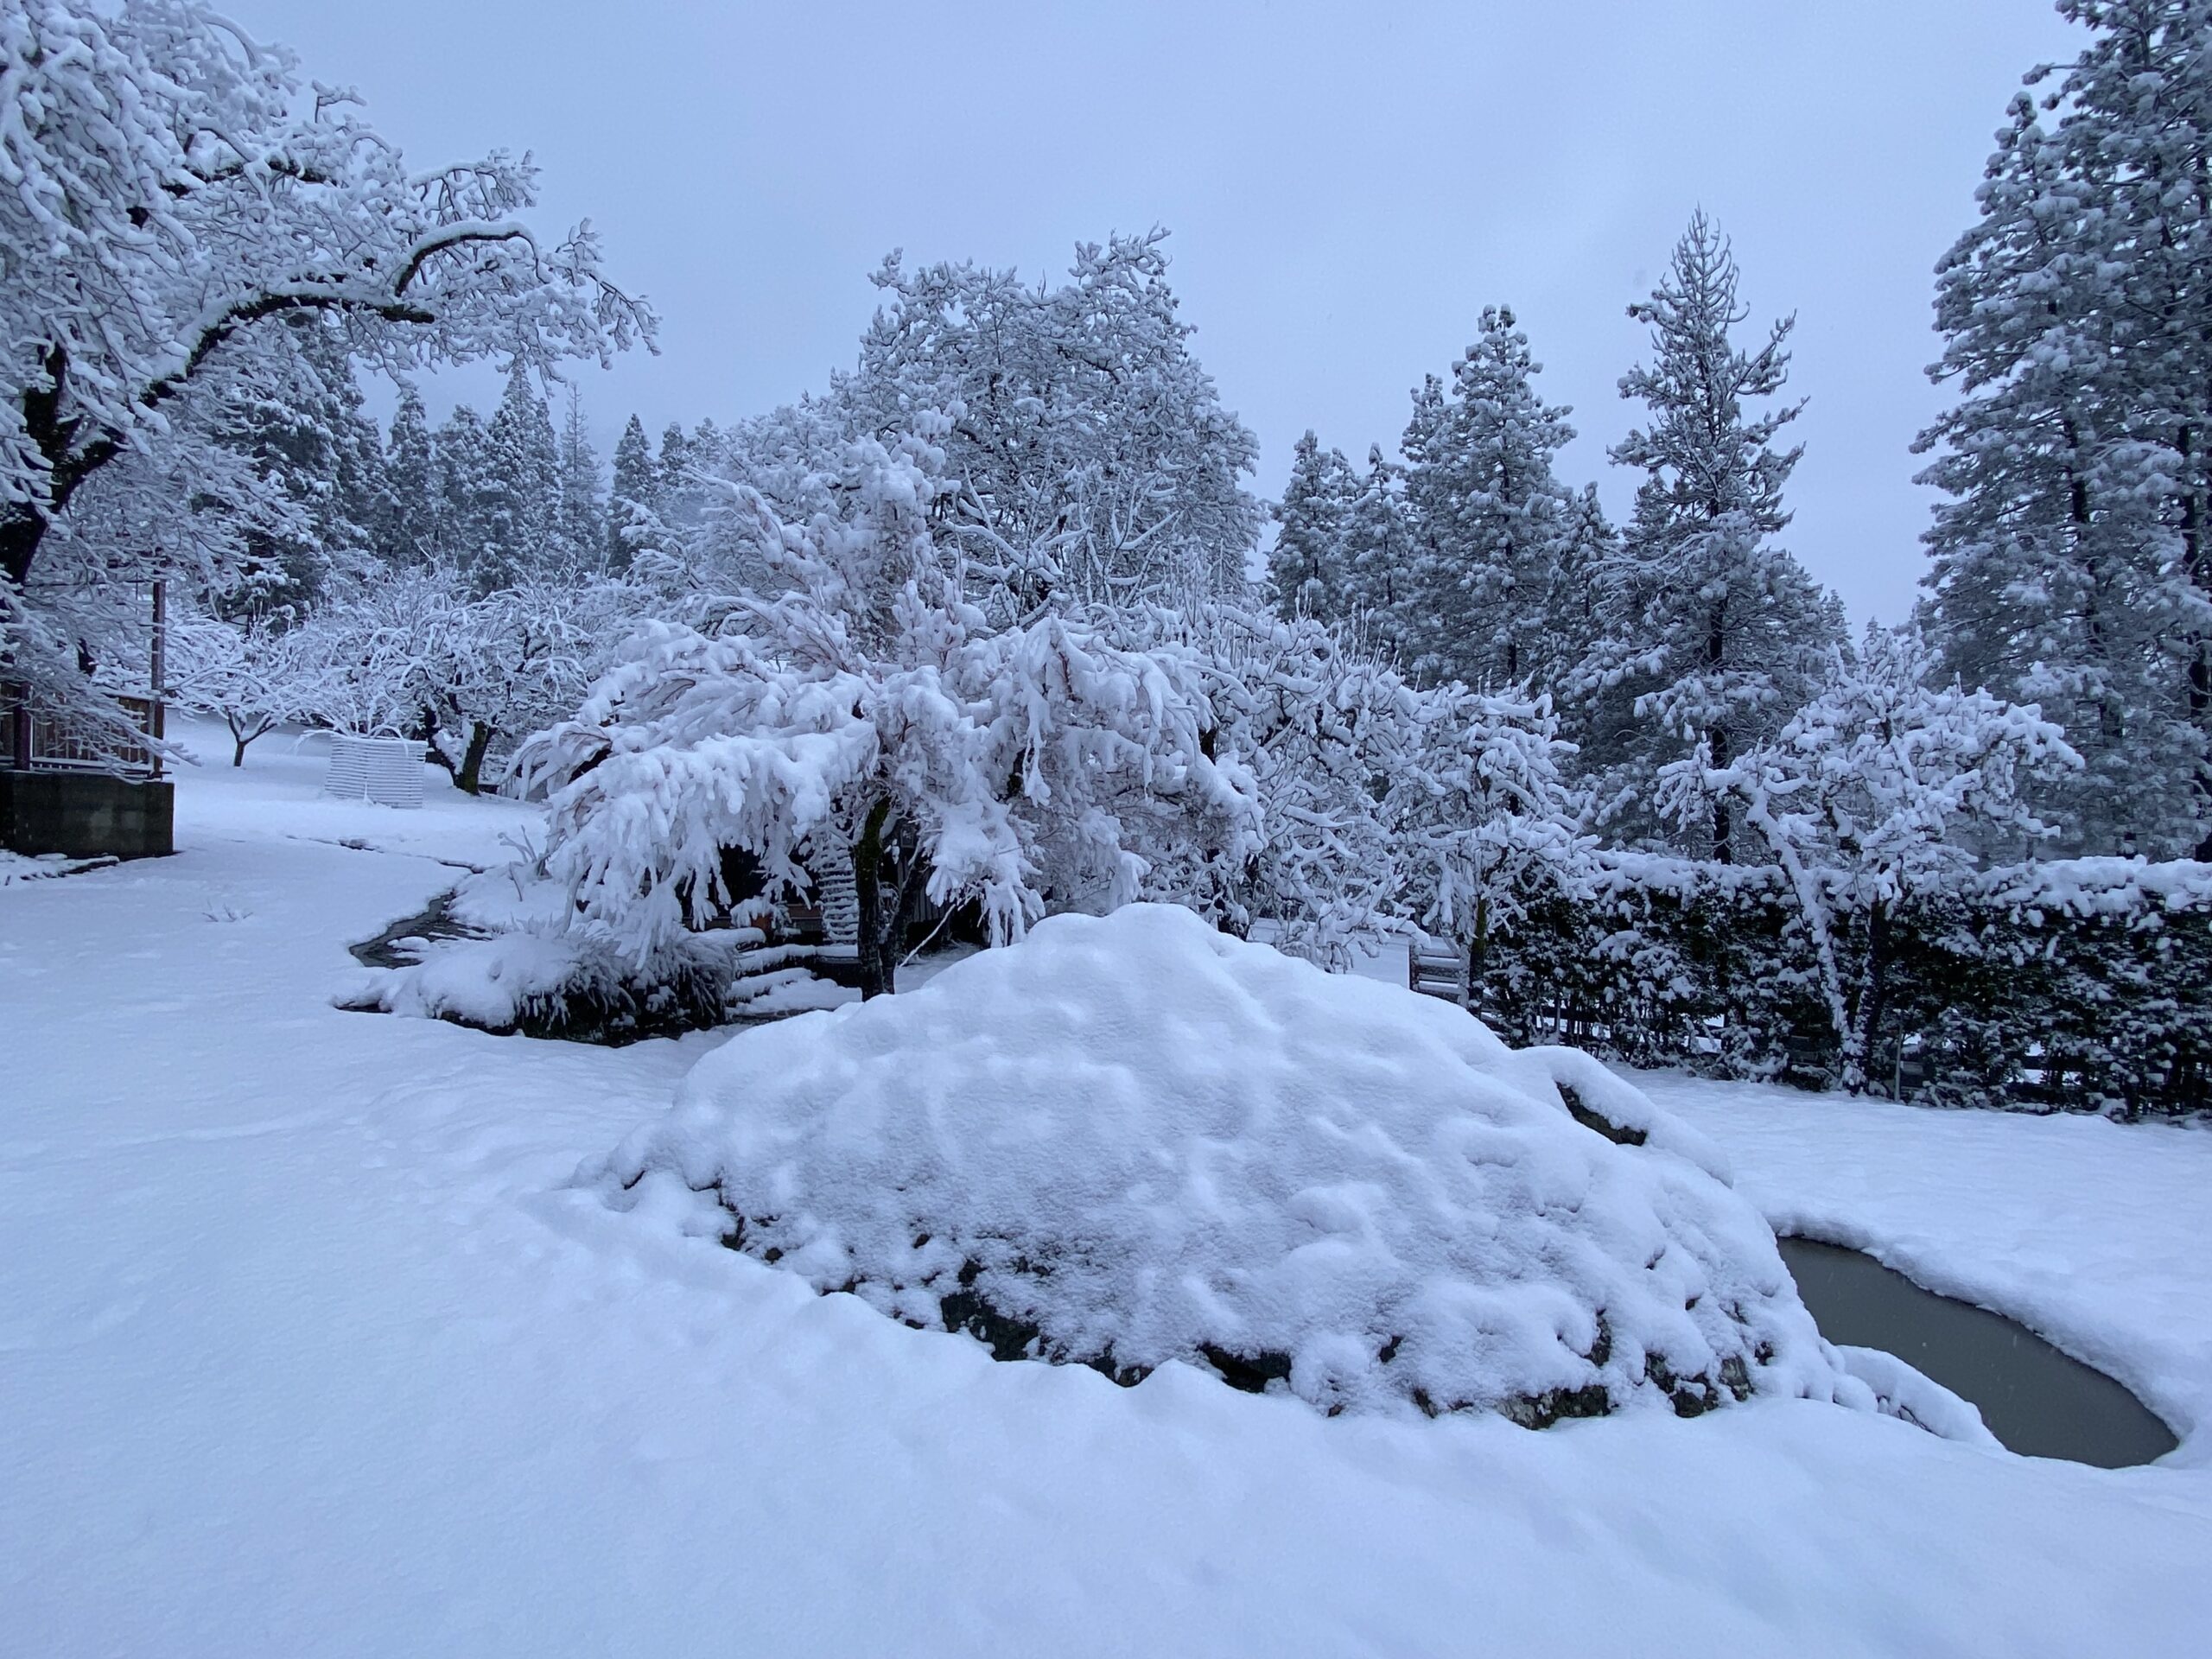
1132 1138
2073 984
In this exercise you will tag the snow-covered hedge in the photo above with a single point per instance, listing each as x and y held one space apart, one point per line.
1132 1138
2073 984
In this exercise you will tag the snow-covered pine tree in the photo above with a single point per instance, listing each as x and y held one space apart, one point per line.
1497 525
2069 559
632 515
1307 566
407 534
522 479
300 421
1378 545
461 452
583 520
1716 632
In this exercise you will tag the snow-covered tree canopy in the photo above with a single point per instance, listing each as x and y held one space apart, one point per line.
1093 459
1885 786
2070 556
1716 632
173 191
868 712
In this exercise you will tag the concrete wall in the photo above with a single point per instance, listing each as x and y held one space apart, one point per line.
87 814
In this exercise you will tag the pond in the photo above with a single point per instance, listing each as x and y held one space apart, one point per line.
2038 1401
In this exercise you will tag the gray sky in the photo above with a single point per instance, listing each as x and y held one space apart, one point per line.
1348 185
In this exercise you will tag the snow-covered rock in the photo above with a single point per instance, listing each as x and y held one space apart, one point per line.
1130 1140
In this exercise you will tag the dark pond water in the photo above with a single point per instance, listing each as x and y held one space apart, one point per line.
2035 1400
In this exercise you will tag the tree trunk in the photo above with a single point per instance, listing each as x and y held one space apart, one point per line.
1723 851
470 777
22 529
876 969
1866 1022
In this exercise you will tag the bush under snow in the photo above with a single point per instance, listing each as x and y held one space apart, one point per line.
1132 1138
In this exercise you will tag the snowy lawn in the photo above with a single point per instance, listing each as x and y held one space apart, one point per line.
307 1345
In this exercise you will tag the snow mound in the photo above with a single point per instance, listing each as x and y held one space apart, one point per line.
1130 1140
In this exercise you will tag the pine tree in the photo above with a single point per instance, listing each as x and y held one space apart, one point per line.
2069 565
1716 632
1307 573
631 510
522 484
407 533
583 527
1497 525
305 431
461 452
1378 549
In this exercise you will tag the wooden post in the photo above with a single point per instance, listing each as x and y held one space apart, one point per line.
19 734
158 673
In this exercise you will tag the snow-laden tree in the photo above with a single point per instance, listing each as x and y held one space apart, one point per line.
633 513
868 706
1378 550
2069 559
1716 633
1093 460
254 674
1479 801
300 421
409 534
581 520
1307 573
1310 725
1880 790
173 189
521 481
1497 527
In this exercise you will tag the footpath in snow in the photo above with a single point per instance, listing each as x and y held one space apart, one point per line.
310 1345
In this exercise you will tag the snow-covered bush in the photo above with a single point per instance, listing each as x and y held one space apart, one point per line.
1131 1139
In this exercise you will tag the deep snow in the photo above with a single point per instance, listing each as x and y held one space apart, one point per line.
307 1346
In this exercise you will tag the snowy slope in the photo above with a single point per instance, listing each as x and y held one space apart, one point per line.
307 1347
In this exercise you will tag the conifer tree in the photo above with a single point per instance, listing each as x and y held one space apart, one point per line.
1307 573
1718 634
1378 547
407 534
1496 523
2069 566
461 450
630 504
523 485
583 530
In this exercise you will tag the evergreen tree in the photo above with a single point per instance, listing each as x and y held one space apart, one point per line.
631 512
1307 571
1378 548
523 488
407 533
1497 525
1717 634
461 452
2068 561
582 521
304 430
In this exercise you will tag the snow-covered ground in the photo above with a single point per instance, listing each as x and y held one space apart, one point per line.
307 1346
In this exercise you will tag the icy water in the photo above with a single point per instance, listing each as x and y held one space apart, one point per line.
2038 1400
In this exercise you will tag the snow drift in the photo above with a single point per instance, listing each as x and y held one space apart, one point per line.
1130 1140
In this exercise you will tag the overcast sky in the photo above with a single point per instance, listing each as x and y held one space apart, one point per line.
1348 185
